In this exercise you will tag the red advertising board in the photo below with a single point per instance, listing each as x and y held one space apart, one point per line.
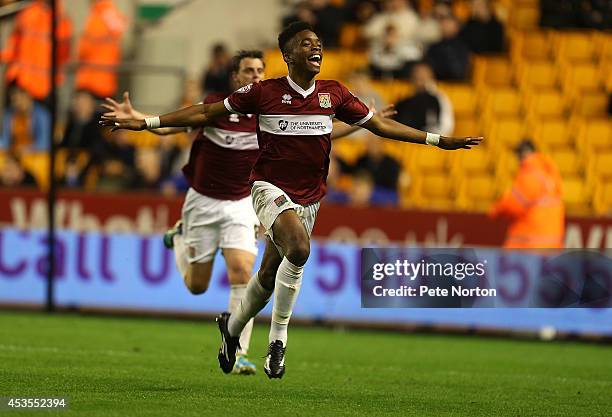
147 213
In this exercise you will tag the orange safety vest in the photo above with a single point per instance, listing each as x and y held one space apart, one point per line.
535 206
28 51
100 49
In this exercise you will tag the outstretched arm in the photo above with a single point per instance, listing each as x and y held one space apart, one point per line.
389 128
341 129
125 110
192 116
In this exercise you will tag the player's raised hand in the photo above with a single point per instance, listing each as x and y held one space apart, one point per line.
450 143
386 112
123 109
117 123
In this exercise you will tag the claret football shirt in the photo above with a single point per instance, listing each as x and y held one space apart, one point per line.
294 131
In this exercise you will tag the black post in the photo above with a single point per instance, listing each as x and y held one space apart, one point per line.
52 191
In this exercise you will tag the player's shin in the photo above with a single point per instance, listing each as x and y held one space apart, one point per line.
237 292
254 300
287 288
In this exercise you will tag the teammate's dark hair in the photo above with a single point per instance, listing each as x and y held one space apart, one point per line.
240 55
290 31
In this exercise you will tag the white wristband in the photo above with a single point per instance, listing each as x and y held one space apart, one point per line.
152 122
432 139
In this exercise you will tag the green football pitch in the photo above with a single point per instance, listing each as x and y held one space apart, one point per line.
145 367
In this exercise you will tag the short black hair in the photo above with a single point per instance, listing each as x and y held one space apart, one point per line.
525 145
240 55
290 31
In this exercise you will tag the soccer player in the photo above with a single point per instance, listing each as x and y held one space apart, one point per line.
218 212
288 179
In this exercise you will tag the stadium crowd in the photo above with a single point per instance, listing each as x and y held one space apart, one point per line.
417 44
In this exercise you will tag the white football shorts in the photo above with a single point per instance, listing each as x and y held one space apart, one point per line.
210 224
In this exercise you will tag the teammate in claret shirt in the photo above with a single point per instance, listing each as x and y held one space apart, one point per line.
288 180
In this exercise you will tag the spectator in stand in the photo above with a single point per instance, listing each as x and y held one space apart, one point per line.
100 49
326 18
392 59
28 50
450 57
302 12
13 174
83 132
328 21
428 109
396 13
148 175
216 78
362 190
429 28
27 124
483 33
114 176
383 170
596 14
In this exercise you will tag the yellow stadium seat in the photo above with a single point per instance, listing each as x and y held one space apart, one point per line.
349 35
501 102
505 133
545 104
401 90
537 74
476 161
553 134
524 18
605 69
595 135
574 46
493 71
354 60
603 198
568 162
385 89
275 65
467 126
434 192
426 160
532 45
349 149
576 196
477 193
579 77
506 165
600 168
334 66
462 97
37 163
591 104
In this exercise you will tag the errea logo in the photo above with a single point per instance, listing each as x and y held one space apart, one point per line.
286 99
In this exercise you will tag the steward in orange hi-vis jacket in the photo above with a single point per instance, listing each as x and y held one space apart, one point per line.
534 203
28 50
100 49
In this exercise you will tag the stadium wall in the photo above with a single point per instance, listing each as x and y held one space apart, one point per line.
135 272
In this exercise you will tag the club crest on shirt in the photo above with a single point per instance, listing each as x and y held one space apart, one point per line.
280 200
245 89
325 100
282 125
286 99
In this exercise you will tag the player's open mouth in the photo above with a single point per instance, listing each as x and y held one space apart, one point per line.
315 59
